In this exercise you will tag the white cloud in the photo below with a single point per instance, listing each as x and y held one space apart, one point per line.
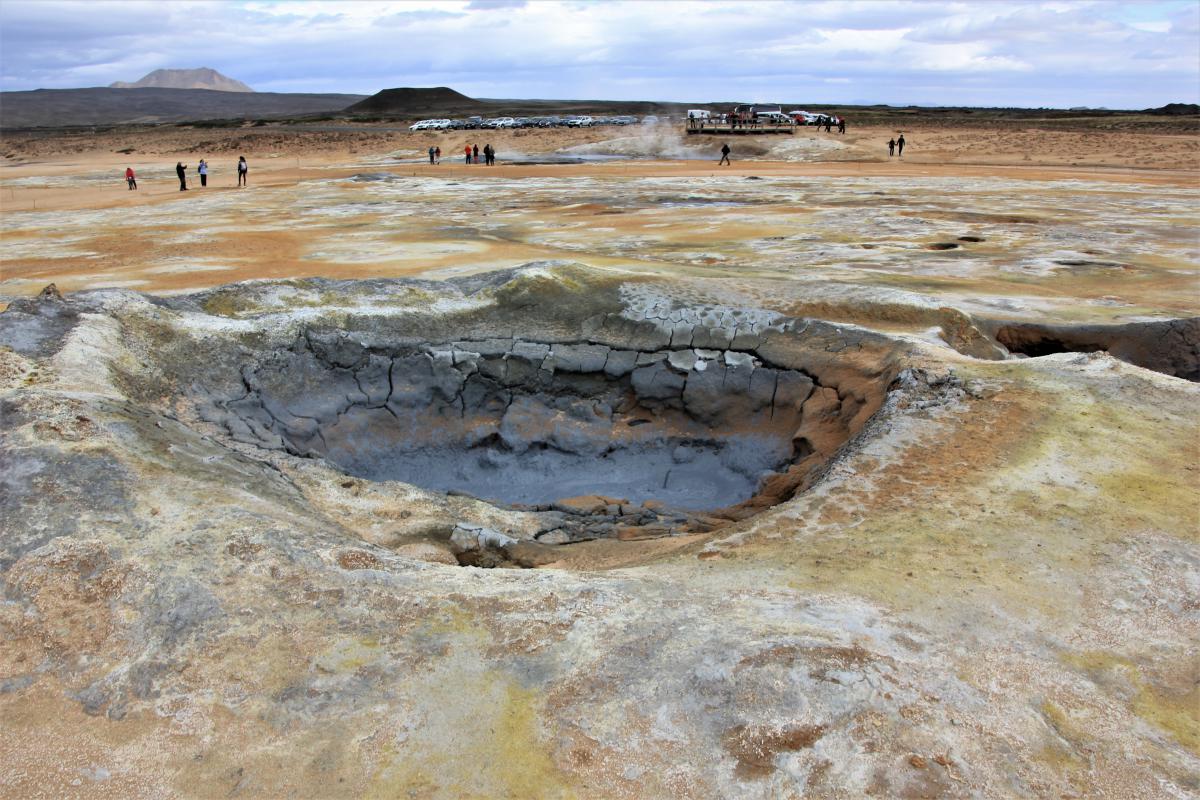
893 51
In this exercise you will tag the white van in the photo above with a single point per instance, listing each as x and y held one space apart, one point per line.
698 113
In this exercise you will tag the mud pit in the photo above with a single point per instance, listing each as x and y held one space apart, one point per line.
667 425
531 423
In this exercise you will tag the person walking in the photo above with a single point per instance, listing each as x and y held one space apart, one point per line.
202 169
437 154
725 155
181 171
430 154
130 178
891 148
842 125
467 151
900 146
243 168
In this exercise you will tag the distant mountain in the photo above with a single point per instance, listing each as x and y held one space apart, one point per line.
1175 109
398 102
62 108
202 78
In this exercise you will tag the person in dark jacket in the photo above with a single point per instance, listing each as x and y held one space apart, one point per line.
891 148
181 171
724 155
900 146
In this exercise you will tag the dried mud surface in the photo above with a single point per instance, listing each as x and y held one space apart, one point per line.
976 573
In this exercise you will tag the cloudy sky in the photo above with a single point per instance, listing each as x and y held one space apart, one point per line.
982 53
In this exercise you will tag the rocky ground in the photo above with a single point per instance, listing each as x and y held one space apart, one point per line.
966 573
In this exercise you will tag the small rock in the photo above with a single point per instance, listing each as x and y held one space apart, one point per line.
582 505
468 537
917 761
554 537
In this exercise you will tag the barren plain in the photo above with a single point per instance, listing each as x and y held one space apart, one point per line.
604 472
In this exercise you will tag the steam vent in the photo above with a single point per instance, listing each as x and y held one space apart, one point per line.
596 534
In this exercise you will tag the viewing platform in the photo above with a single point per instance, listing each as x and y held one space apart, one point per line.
727 128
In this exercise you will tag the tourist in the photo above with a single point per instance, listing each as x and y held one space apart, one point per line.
437 154
202 169
900 146
891 148
430 154
489 155
842 125
243 168
475 153
724 155
467 151
130 179
181 171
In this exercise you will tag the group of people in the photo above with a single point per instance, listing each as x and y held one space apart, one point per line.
896 146
243 172
471 152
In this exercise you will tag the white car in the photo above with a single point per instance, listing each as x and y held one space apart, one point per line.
430 124
501 122
650 120
580 122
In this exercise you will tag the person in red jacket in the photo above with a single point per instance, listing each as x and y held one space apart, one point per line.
467 151
130 178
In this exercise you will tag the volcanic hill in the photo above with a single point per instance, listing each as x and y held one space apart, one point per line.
202 78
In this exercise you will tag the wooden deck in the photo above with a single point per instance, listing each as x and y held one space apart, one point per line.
716 128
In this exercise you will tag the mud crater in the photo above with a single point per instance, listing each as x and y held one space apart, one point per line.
529 424
602 438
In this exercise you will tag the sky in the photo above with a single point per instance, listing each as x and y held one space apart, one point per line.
922 52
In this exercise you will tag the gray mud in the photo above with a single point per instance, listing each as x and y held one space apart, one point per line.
685 474
529 423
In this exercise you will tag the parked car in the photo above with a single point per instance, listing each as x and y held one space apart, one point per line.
650 120
430 124
580 122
